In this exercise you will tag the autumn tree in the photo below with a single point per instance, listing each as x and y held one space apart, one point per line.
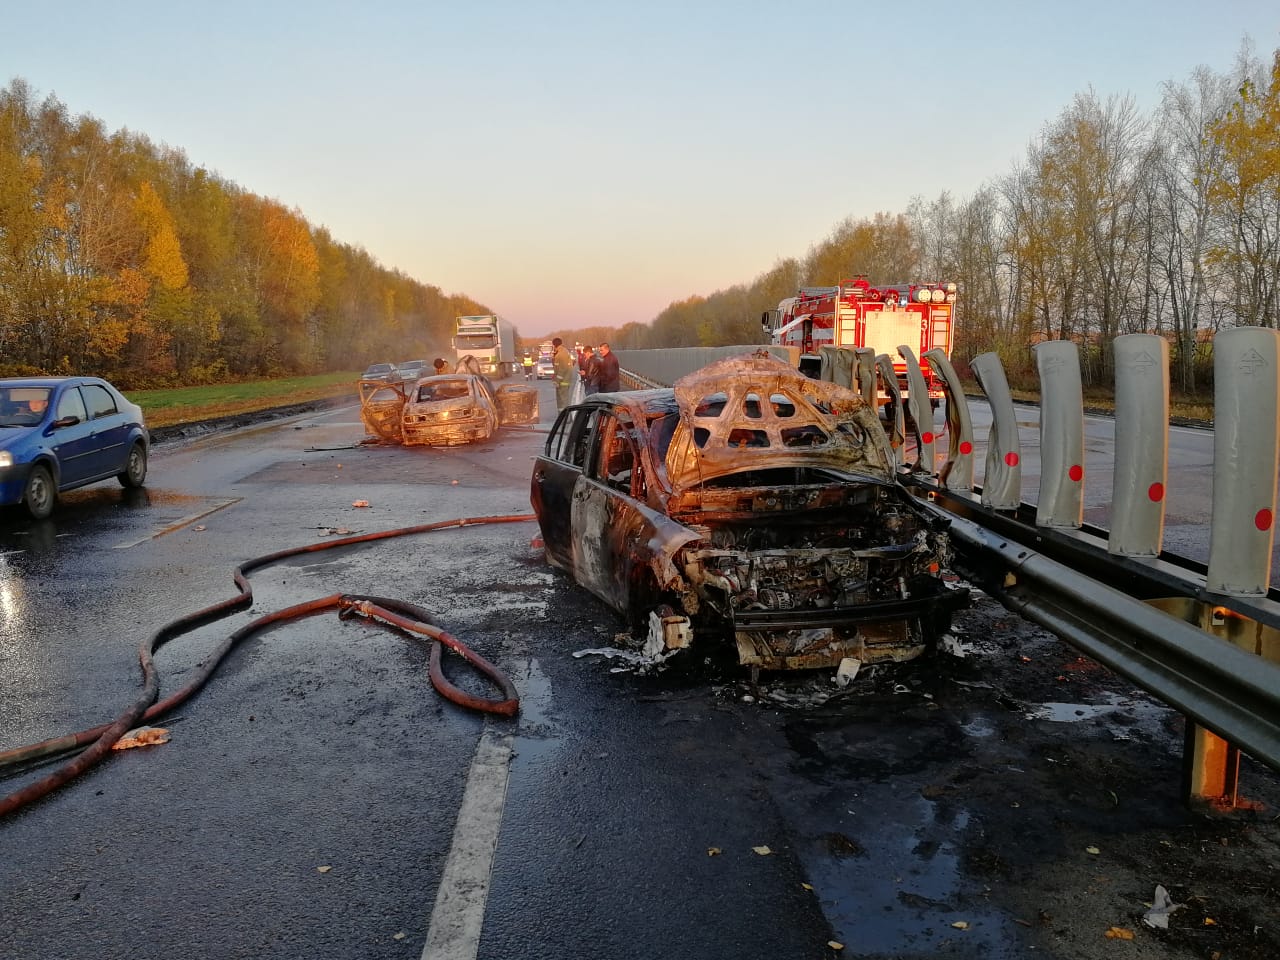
1246 195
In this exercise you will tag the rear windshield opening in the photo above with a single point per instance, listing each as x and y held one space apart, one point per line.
449 390
776 477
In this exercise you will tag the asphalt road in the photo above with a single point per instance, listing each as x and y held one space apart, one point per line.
318 798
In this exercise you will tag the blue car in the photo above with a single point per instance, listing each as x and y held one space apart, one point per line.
59 433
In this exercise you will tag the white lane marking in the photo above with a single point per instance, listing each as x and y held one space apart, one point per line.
458 916
179 524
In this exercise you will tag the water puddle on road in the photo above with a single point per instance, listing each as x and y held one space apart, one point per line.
1114 705
899 888
538 736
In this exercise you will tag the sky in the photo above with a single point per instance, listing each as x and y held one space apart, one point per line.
575 163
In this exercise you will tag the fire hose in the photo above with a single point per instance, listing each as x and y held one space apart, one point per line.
95 743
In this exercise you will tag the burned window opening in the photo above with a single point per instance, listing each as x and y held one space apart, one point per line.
806 436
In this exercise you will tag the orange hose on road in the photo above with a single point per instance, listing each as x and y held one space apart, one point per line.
97 741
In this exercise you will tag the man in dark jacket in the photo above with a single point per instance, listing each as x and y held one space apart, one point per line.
607 370
589 370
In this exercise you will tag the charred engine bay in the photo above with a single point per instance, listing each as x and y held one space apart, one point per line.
854 572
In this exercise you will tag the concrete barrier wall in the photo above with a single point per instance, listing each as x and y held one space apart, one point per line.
665 367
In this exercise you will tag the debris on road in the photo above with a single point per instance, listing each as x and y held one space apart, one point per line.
1157 918
142 737
847 671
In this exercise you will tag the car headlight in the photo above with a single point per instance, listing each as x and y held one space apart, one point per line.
6 459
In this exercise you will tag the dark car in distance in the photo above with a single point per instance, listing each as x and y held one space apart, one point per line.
760 504
380 371
412 370
59 433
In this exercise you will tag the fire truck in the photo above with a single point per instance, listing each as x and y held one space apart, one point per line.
856 314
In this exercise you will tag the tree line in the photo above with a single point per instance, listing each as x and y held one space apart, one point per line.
1114 222
122 257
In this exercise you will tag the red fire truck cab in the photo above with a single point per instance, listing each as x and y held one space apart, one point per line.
856 314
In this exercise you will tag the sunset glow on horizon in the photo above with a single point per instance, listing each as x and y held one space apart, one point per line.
579 164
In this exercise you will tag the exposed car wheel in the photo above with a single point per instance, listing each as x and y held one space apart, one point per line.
40 494
135 471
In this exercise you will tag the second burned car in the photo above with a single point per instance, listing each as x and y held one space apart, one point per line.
760 503
446 409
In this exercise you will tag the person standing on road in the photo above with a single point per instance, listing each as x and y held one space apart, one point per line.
441 366
528 366
562 362
590 367
607 363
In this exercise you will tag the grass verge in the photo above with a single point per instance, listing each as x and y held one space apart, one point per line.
165 408
1183 406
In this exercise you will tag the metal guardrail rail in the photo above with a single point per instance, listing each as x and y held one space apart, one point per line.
1230 691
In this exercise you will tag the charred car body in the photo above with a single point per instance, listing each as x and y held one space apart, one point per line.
757 502
448 410
444 410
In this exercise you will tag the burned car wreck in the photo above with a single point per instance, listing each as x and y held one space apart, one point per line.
444 409
759 503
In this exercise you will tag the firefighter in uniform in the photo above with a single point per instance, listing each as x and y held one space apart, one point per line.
564 365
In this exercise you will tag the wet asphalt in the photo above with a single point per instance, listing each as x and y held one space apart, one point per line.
306 803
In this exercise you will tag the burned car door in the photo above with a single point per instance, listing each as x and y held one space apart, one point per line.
555 477
604 509
625 550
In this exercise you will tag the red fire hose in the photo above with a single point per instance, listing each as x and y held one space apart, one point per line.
96 742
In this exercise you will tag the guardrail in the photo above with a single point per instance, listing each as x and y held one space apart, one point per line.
1229 690
1204 639
1223 671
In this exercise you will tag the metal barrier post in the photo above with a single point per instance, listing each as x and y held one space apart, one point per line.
827 363
897 429
1211 764
865 358
957 473
842 363
1061 502
1246 453
1142 445
1245 457
921 410
1002 481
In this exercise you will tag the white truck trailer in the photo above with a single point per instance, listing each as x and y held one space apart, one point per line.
491 340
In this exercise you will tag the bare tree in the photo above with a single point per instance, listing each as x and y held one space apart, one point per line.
1188 164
